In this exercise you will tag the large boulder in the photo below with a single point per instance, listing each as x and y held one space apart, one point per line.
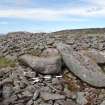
44 65
82 66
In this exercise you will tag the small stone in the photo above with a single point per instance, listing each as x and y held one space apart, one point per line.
7 91
103 103
51 96
50 41
36 94
27 94
45 89
55 81
30 74
45 104
30 102
47 77
60 102
6 81
70 102
81 98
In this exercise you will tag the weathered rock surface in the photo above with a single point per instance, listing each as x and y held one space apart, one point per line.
95 55
7 91
48 65
82 66
50 52
81 98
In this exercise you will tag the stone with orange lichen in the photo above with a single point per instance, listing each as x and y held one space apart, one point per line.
71 82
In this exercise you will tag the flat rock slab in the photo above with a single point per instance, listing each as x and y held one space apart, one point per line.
82 66
44 65
51 96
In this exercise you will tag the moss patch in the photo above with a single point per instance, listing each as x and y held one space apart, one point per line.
4 62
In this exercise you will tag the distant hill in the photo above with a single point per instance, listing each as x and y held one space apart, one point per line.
88 31
1 34
81 31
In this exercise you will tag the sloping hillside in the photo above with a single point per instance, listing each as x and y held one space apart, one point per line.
94 31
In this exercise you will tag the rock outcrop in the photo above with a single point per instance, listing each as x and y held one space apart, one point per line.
82 66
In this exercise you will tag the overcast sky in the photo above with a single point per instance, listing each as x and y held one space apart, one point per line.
50 15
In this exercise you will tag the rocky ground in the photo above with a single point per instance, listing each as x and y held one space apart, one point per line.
52 69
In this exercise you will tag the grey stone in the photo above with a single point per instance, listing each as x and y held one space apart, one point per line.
70 102
27 94
45 104
6 81
47 77
7 91
10 100
36 94
50 41
31 88
30 102
57 84
103 103
45 89
55 81
44 65
51 96
81 98
30 74
38 101
60 102
82 66
19 104
50 52
56 104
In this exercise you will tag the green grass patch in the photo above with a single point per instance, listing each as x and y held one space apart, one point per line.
4 62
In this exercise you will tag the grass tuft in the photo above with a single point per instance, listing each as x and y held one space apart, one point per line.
4 62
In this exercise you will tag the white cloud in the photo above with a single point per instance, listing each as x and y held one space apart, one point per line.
96 2
49 14
95 8
38 14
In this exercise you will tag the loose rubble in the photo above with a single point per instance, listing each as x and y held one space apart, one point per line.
44 74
